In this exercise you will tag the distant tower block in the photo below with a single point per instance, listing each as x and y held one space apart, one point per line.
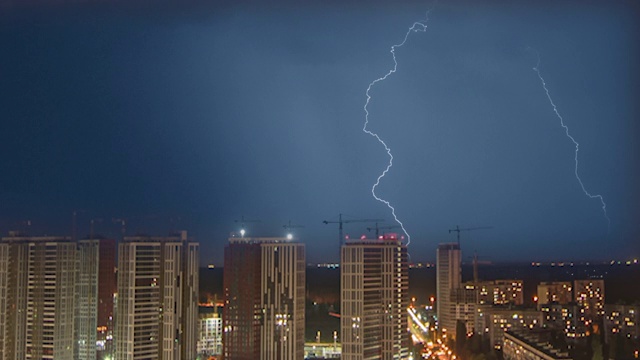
448 279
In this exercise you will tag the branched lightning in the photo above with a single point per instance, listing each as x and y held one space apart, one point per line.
416 27
566 129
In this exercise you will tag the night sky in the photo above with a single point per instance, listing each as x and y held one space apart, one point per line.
190 115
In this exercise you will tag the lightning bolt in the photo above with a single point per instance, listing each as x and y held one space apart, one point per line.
566 130
416 27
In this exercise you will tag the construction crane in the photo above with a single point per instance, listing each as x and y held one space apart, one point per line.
242 221
74 224
123 224
92 226
340 222
458 230
22 228
378 228
288 228
126 221
475 268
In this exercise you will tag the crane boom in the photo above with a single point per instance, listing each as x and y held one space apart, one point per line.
340 222
378 228
458 230
288 227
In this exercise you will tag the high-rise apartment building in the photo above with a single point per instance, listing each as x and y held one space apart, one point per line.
37 283
374 299
13 303
95 289
242 314
106 292
157 303
448 280
264 294
86 310
51 296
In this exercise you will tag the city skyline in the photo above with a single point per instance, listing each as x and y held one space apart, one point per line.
192 116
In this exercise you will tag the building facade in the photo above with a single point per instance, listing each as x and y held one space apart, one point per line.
242 314
622 320
95 290
565 318
37 280
86 310
448 280
157 304
106 293
531 345
209 332
559 292
501 292
493 321
264 295
13 303
465 301
50 298
374 299
51 287
589 294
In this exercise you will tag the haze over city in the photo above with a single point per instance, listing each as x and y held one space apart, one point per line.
191 116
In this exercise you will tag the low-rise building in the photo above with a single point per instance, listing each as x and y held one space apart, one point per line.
493 321
500 292
531 345
209 331
558 292
589 294
623 320
565 318
464 301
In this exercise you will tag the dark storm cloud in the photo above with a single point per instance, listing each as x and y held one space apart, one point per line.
192 115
